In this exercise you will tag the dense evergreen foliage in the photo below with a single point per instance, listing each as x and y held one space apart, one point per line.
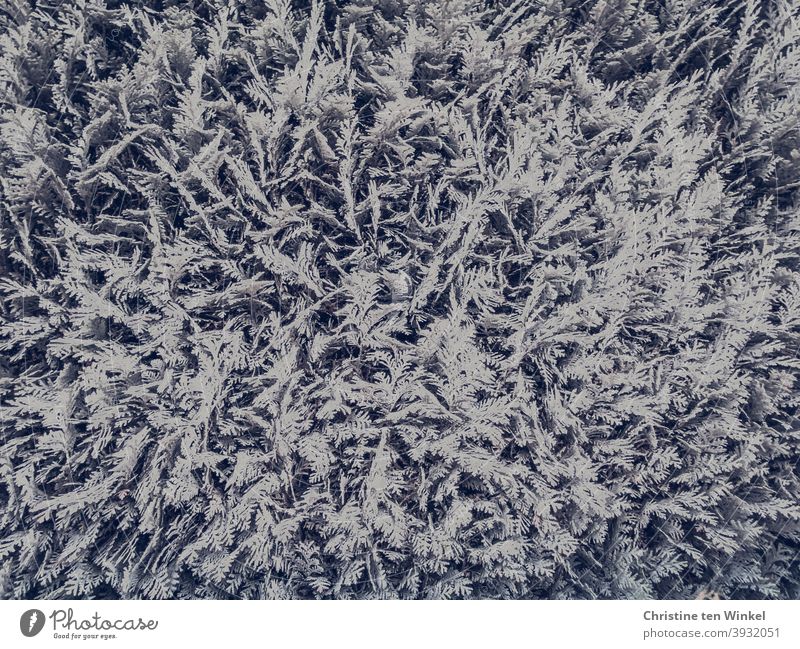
393 298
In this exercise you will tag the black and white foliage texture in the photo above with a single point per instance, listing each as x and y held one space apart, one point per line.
399 299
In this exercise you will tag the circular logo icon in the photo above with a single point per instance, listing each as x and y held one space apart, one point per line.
31 622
